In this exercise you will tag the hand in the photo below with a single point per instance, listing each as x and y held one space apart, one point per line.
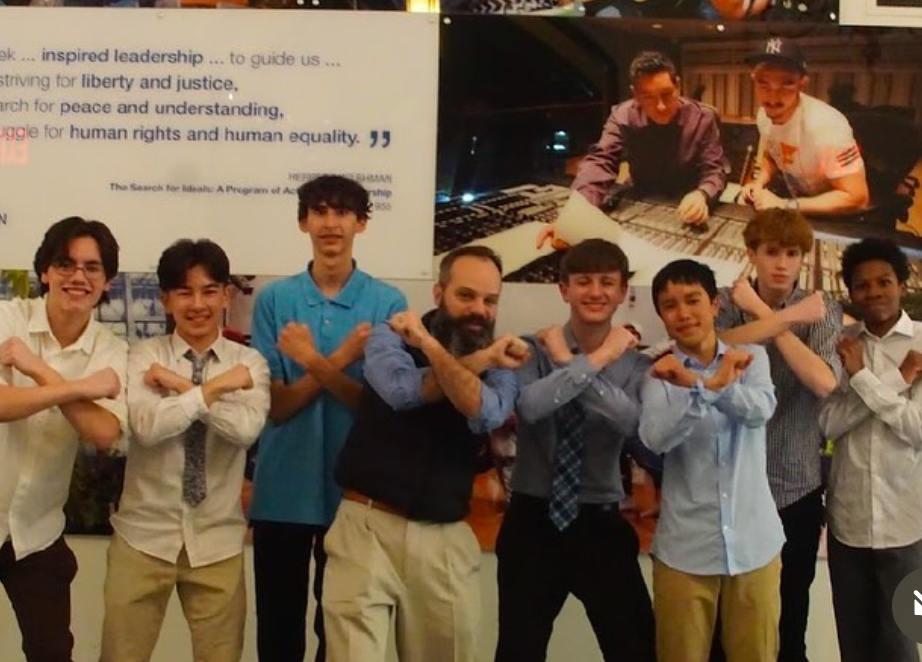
911 367
670 369
296 342
159 378
554 341
694 208
809 310
617 342
101 384
748 192
508 352
732 366
16 354
353 347
410 328
852 352
747 299
765 199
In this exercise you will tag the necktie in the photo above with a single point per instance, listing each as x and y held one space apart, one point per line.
568 459
193 473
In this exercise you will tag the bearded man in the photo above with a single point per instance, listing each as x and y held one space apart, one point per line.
435 388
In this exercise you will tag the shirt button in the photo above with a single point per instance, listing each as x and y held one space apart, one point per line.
726 527
724 495
326 321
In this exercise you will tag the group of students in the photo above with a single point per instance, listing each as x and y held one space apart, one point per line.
373 421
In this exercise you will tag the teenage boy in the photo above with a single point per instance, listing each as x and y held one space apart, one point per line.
196 403
563 532
312 328
801 330
717 544
874 501
61 376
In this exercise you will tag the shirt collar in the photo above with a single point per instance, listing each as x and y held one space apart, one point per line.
346 297
903 327
218 349
691 362
795 295
680 116
39 323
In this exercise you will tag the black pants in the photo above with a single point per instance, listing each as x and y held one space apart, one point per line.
803 524
595 559
39 590
281 564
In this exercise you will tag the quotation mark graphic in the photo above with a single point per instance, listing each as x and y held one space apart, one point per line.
385 138
917 610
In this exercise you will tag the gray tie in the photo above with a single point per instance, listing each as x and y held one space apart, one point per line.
193 473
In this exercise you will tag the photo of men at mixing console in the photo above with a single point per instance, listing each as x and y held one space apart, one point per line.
667 136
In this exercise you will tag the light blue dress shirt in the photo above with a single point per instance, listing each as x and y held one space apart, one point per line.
294 468
718 516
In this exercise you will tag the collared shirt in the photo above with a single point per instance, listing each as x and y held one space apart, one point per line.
611 399
152 516
816 145
296 459
669 159
875 488
717 517
794 434
37 453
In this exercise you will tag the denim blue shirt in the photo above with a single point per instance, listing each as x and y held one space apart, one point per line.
294 468
395 377
718 516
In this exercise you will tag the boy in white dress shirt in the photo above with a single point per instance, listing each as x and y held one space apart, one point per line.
874 499
61 376
197 401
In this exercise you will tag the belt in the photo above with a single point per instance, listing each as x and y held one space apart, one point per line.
358 497
607 507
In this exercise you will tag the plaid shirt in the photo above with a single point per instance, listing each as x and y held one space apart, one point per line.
793 434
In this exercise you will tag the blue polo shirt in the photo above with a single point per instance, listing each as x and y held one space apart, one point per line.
294 468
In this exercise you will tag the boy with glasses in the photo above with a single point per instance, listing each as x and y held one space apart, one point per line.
61 376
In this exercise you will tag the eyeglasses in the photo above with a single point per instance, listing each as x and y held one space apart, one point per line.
91 270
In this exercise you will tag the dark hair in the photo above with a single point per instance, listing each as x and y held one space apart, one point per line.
594 256
685 272
481 252
177 260
333 191
870 249
56 244
648 63
786 226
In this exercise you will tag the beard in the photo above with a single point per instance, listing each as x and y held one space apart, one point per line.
454 334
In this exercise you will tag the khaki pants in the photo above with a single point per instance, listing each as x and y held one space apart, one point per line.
425 575
686 607
137 591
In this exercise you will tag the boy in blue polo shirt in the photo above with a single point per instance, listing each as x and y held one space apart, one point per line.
312 328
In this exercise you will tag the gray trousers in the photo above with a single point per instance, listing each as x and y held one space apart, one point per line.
863 582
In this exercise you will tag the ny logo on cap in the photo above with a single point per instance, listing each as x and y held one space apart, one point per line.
773 46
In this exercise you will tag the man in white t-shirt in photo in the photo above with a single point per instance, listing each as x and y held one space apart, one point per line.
806 143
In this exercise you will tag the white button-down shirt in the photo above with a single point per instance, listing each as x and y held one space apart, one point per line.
152 515
37 453
874 498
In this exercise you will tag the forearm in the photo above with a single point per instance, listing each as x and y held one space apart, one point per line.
545 395
341 386
19 402
832 202
431 390
842 412
811 370
286 400
460 385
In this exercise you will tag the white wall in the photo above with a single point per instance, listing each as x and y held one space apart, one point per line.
572 639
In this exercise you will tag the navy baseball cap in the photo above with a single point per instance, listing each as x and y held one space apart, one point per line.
781 51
